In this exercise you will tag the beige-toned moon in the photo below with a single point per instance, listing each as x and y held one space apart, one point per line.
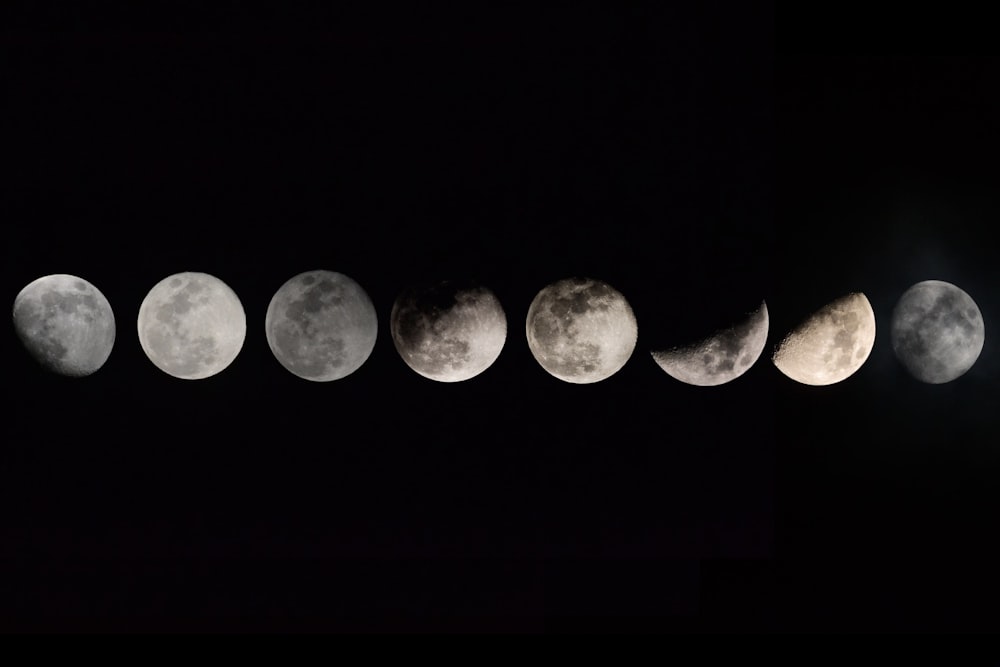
831 344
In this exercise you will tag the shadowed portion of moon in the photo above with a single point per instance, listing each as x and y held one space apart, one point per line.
831 344
581 330
937 331
321 325
65 323
191 325
721 357
448 332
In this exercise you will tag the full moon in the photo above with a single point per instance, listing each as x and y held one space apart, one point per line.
831 344
65 323
937 331
581 330
191 325
321 326
721 357
448 332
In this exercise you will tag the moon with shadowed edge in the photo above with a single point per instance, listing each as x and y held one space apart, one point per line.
65 323
721 357
448 332
937 331
321 325
831 344
581 330
191 325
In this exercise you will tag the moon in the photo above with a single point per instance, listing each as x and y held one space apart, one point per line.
65 323
721 357
321 325
581 330
937 331
448 332
831 344
191 325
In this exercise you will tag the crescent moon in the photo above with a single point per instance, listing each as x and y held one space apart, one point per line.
721 357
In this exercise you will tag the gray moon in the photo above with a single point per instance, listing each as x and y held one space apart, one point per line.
721 357
448 332
937 331
581 330
321 326
65 323
831 344
191 325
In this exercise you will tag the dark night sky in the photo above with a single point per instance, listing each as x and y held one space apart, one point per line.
675 153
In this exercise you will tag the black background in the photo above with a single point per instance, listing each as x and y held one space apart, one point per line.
679 153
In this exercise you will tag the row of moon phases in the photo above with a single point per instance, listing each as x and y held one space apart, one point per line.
321 326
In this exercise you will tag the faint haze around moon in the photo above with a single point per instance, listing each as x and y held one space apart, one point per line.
831 344
191 325
721 357
448 331
65 323
937 331
581 330
321 325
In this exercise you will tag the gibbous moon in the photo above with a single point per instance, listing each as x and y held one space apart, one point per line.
65 323
321 325
937 331
581 330
191 325
831 344
448 332
721 357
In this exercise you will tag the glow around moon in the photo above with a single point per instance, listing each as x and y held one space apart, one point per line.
721 357
65 323
581 330
191 325
937 331
831 344
321 326
448 332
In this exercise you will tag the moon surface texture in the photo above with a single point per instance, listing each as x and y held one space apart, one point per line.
448 332
831 344
65 323
321 325
721 357
191 325
581 330
937 331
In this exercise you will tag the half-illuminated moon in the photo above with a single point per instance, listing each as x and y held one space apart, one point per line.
448 332
321 325
831 344
65 323
937 331
581 330
191 325
721 357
